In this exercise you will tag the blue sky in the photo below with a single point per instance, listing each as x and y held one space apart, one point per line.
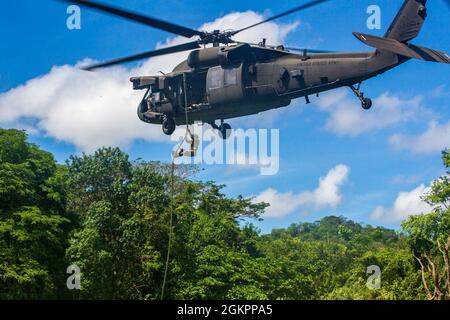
391 152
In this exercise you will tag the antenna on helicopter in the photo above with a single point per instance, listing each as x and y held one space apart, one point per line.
305 55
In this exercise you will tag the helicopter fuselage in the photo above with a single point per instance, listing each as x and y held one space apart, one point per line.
240 78
254 80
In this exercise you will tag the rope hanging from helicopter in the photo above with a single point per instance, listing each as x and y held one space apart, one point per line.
193 141
203 38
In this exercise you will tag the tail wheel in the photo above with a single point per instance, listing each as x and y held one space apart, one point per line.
168 125
225 131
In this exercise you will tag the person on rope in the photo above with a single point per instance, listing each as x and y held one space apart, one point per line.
193 140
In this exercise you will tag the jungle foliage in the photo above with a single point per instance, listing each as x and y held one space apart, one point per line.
110 216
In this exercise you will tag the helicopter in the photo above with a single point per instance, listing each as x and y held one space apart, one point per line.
232 79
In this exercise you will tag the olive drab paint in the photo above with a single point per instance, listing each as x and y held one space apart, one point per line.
232 79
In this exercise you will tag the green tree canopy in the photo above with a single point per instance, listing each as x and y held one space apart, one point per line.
429 237
33 220
111 217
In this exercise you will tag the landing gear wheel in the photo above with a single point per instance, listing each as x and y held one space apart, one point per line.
168 125
366 103
224 131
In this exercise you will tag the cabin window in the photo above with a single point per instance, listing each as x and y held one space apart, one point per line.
216 78
156 97
230 77
221 77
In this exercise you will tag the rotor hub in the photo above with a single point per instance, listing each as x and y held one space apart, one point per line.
216 37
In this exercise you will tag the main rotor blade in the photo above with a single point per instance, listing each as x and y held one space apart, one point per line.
146 20
299 8
288 48
309 50
149 54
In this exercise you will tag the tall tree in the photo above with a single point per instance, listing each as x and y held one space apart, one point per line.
33 223
429 237
111 217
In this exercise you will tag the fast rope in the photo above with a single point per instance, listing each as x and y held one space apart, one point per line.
172 189
170 229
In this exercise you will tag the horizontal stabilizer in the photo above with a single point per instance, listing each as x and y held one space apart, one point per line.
404 49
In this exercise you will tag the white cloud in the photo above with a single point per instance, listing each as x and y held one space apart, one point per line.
273 32
440 91
88 109
347 118
326 195
281 204
434 139
406 204
94 109
410 179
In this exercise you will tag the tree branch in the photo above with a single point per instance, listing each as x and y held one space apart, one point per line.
435 277
445 255
424 280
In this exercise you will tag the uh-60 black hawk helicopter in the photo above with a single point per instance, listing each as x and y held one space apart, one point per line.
238 79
